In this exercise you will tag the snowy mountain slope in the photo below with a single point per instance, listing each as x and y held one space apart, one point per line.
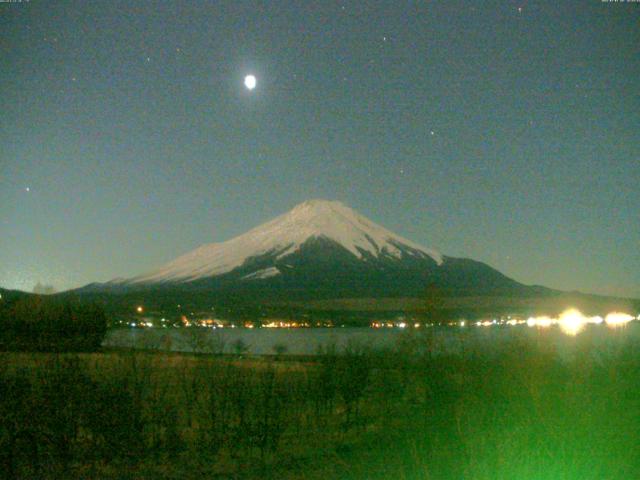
261 274
319 251
286 234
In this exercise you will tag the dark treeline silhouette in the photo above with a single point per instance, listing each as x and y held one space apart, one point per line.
42 324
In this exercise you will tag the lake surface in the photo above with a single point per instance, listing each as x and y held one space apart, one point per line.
306 341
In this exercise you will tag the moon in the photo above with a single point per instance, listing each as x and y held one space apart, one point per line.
250 82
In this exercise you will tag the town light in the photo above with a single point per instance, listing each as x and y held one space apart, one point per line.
617 319
572 321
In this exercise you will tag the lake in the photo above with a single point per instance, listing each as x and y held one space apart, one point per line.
601 339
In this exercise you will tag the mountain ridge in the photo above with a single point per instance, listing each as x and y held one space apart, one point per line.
318 249
285 234
323 253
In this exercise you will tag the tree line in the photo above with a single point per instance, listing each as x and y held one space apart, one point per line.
42 324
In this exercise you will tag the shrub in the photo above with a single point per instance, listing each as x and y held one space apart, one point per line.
39 324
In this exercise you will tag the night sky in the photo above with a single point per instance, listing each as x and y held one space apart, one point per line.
507 132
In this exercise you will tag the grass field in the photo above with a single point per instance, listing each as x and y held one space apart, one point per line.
522 412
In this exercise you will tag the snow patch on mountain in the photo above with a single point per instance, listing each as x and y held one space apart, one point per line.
284 235
264 273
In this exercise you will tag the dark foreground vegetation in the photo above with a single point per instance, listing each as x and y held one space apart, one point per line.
44 324
522 412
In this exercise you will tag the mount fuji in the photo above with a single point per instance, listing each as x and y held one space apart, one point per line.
278 242
323 257
319 250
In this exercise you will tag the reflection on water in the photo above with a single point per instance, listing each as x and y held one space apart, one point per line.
439 340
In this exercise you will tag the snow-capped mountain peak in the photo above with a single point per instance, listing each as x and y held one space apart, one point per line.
284 235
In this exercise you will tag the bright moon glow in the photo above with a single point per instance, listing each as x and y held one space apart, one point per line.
250 82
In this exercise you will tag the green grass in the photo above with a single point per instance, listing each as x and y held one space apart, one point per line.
522 412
